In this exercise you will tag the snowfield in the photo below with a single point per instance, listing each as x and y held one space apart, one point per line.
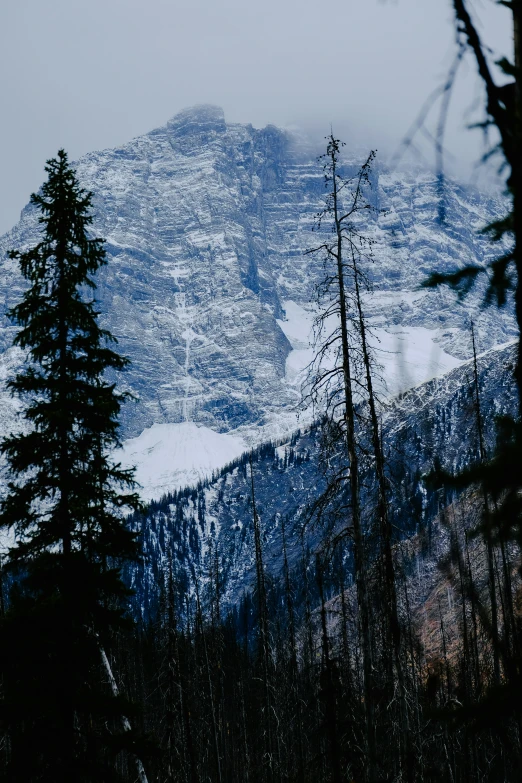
170 456
405 356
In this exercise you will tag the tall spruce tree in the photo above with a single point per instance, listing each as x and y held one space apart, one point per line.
64 504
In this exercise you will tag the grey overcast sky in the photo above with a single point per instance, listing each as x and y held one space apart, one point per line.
91 74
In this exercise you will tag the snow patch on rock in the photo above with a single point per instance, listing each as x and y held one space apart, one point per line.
170 456
406 356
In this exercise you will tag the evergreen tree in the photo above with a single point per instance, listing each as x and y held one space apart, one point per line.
64 504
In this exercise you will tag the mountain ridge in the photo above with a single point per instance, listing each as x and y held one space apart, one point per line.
206 224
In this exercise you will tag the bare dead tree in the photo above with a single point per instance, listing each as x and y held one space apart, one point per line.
335 386
208 677
264 642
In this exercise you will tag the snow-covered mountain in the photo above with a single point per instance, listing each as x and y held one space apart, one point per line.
209 292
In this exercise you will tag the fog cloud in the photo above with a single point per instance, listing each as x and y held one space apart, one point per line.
90 74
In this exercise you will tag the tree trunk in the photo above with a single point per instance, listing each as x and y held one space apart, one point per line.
487 521
358 539
142 777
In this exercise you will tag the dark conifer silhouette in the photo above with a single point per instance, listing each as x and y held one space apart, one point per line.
64 506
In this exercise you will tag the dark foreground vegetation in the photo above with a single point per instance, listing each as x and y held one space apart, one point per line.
275 690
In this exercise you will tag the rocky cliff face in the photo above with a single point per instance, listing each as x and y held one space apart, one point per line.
207 288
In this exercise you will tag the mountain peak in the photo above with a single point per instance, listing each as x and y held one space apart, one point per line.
209 285
197 119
